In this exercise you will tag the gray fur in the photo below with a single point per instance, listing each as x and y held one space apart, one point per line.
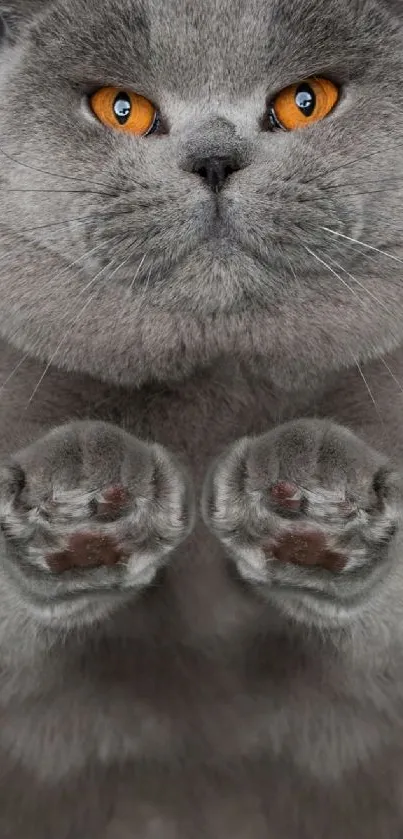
214 694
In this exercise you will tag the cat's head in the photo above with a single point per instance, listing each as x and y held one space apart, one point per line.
185 180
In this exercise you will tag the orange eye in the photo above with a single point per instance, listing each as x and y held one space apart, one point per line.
302 104
124 111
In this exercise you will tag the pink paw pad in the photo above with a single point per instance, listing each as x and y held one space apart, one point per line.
85 551
308 549
114 501
347 508
286 495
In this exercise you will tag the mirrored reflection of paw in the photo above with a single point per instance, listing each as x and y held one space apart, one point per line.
89 509
308 512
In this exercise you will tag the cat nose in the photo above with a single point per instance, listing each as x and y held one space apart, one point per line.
216 170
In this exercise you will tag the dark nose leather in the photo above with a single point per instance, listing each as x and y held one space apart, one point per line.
216 170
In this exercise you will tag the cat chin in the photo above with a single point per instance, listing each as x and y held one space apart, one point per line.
218 301
181 342
220 276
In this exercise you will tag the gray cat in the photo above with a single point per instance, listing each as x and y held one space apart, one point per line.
201 267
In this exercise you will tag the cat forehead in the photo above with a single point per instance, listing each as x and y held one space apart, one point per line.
190 44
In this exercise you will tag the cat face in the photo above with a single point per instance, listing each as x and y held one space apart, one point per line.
247 215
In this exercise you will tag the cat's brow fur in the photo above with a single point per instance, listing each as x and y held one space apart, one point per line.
129 293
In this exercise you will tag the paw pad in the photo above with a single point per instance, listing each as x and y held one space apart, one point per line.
113 503
308 549
286 495
85 550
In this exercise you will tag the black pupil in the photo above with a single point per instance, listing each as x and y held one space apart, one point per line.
122 107
305 100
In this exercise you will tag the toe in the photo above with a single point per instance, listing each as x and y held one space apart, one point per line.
287 496
112 504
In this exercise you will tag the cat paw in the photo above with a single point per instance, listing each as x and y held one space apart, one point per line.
308 512
89 510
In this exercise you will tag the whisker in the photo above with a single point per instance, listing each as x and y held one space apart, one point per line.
29 354
139 267
349 194
371 395
70 327
62 191
292 269
363 244
79 259
146 286
14 371
400 386
78 220
131 287
51 174
384 180
361 285
367 256
75 262
325 264
322 261
59 346
350 162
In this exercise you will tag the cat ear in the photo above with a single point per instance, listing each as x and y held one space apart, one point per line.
13 15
